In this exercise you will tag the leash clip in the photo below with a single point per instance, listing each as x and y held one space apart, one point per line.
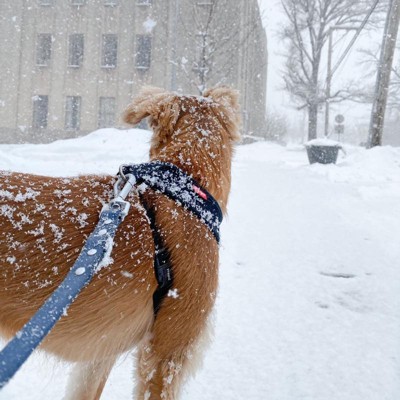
119 202
128 181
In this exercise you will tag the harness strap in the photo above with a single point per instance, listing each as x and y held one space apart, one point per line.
162 260
170 180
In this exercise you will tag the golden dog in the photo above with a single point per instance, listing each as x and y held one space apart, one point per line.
44 223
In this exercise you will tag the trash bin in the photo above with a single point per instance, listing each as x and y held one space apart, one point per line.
323 154
322 151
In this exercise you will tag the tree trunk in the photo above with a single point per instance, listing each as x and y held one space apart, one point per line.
312 121
313 100
383 76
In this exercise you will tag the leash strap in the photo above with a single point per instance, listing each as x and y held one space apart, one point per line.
92 257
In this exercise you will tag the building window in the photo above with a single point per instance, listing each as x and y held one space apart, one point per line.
78 2
109 51
40 111
76 46
107 112
143 51
43 49
110 3
144 2
73 112
46 2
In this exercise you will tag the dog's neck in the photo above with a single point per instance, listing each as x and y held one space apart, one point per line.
208 163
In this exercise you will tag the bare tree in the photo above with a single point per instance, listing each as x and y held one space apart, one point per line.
218 32
307 31
365 93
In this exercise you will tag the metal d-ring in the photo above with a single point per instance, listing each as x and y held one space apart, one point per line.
121 172
121 181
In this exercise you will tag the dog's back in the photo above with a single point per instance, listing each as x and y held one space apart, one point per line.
44 223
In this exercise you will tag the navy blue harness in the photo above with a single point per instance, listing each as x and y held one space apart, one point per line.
171 181
162 177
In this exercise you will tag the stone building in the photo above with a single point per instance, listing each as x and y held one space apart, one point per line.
69 67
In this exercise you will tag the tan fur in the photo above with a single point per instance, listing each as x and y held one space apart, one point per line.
45 221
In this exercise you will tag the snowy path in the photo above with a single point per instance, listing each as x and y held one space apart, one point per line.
309 291
309 286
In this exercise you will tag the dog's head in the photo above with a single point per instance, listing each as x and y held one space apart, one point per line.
196 133
168 113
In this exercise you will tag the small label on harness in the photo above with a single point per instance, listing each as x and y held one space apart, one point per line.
199 192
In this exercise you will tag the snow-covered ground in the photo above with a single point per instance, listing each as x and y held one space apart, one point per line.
309 300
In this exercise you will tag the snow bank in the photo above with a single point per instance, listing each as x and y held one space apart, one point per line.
375 172
323 142
101 151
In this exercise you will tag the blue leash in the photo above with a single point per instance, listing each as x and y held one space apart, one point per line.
95 251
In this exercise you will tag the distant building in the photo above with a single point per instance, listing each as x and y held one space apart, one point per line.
69 67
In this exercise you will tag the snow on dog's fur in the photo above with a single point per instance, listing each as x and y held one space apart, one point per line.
45 221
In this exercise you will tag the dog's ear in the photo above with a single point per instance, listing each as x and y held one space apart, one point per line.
146 103
229 110
162 108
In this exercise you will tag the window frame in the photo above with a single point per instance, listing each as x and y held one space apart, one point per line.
205 3
111 3
103 62
37 118
78 3
146 57
71 55
46 3
144 2
73 107
43 56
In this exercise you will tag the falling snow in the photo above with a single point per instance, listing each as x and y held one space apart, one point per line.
308 301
